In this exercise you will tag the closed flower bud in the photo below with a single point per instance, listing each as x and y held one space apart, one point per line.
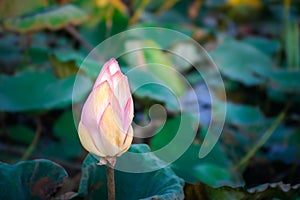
105 126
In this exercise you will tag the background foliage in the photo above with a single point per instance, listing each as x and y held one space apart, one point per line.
255 44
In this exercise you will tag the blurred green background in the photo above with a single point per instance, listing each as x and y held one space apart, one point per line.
254 43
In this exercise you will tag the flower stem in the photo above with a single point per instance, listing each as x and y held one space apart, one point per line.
110 182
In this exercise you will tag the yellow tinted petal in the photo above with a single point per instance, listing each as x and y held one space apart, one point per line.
87 141
127 142
111 132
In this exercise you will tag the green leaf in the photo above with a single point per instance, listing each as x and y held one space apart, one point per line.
97 29
263 139
168 40
90 66
63 69
149 88
38 54
53 18
292 44
284 85
212 174
12 8
21 134
189 166
64 127
191 57
36 179
242 115
68 146
265 45
266 191
166 17
10 55
279 96
241 62
39 90
286 81
155 61
160 184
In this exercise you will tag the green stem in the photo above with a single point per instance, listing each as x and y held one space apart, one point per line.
34 142
261 141
75 34
110 182
138 12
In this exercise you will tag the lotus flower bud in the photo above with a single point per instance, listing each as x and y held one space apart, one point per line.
105 126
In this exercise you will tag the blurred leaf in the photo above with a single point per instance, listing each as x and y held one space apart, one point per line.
64 128
39 90
292 44
191 55
212 174
167 17
286 142
155 61
189 166
63 69
194 78
197 101
68 145
241 115
91 67
280 152
13 8
58 150
265 45
241 62
39 54
53 18
286 81
266 191
164 41
244 10
295 138
281 97
160 184
149 88
275 190
20 133
10 52
97 30
284 85
36 179
215 3
259 143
